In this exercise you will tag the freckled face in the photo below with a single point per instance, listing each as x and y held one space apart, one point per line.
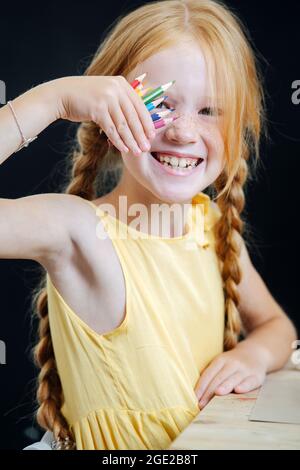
195 132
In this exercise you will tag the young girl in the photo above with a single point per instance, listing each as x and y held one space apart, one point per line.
139 330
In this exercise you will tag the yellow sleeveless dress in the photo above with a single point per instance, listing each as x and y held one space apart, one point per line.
133 387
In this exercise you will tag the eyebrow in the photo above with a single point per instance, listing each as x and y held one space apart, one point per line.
170 95
171 91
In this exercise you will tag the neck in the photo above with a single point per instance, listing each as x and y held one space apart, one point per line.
173 223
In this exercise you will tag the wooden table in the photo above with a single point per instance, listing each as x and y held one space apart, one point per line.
224 424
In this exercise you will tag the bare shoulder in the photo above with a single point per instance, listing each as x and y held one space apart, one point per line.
79 217
41 226
60 210
68 203
71 212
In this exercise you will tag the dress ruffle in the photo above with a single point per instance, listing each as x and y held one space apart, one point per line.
122 429
212 214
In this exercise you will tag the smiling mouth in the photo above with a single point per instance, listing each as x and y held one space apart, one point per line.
176 162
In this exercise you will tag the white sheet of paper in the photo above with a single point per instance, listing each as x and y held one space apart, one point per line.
279 399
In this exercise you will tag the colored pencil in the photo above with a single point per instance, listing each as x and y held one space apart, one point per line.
157 92
163 122
137 81
155 103
160 114
141 92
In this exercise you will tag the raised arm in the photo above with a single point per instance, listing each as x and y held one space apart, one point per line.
36 109
32 227
38 227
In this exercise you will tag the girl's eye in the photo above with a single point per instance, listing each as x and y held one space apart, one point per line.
206 111
210 111
163 103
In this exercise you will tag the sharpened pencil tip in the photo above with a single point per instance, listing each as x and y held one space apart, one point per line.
141 77
167 85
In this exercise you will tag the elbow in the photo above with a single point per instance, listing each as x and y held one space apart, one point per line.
289 339
294 332
290 328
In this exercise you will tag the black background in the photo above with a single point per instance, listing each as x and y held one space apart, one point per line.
40 42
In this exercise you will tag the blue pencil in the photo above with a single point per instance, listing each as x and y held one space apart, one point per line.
155 103
160 114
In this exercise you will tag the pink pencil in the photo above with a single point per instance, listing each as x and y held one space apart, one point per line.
164 122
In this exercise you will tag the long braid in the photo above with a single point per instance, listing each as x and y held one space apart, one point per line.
49 392
86 160
228 248
92 148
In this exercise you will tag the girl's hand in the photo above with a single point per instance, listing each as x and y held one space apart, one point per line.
110 102
237 370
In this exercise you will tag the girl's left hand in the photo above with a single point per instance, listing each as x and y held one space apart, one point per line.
235 370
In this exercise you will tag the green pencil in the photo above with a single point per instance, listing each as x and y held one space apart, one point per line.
157 92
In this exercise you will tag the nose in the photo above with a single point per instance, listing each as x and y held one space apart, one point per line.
184 130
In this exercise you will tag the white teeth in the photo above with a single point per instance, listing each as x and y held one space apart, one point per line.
189 166
176 162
